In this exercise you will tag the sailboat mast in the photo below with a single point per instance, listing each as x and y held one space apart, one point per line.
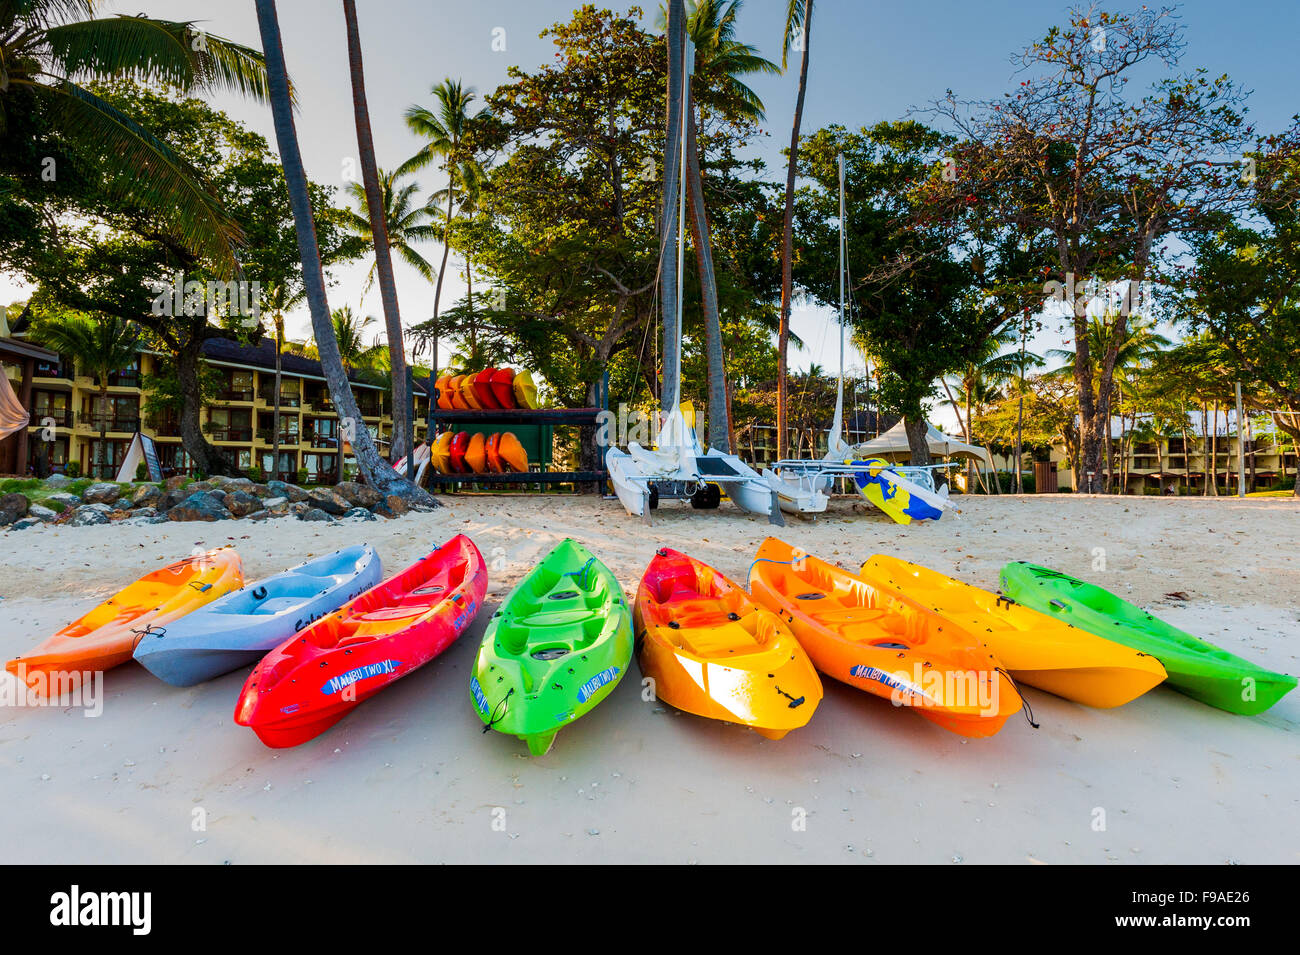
673 358
833 439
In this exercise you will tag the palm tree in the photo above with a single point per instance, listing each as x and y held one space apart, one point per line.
375 469
406 221
98 347
720 62
982 379
51 50
279 300
798 22
378 214
444 129
349 334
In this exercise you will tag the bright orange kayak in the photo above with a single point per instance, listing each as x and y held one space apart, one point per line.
106 636
712 652
476 453
1038 650
512 454
443 386
884 643
456 397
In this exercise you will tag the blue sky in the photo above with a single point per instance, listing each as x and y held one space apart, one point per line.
870 61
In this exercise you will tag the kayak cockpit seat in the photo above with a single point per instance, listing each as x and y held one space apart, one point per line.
717 641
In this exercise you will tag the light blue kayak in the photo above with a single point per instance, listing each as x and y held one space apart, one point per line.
240 628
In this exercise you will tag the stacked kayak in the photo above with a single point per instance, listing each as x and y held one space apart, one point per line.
238 629
1197 667
488 390
1038 650
314 679
558 646
465 453
714 652
884 643
107 635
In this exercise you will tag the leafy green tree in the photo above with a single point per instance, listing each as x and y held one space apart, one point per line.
1243 290
58 126
127 261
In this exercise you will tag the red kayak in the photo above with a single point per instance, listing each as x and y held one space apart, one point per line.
459 445
483 388
503 387
315 678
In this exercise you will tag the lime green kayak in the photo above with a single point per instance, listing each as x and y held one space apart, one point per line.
1197 667
557 646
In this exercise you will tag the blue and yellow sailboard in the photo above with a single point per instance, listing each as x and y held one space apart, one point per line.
903 500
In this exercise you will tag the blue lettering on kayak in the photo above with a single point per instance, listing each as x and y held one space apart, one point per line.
864 672
466 616
345 680
480 701
601 679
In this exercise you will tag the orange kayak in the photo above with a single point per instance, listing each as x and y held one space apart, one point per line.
469 394
712 652
492 448
106 636
456 397
476 453
884 643
512 454
444 393
503 387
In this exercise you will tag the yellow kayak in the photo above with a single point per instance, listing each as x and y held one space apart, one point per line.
1037 649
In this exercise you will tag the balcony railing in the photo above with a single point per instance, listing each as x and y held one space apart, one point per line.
47 369
124 379
321 440
110 423
231 434
235 394
268 435
267 395
62 417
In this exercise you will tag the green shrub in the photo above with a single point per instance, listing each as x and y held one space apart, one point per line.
256 475
19 485
72 469
302 475
141 471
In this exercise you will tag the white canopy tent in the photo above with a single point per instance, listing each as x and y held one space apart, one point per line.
894 441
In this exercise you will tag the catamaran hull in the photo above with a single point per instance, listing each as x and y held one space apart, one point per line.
631 494
802 495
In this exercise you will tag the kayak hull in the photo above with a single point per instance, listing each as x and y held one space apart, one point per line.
314 679
1196 667
1038 650
106 637
556 648
240 628
713 652
883 643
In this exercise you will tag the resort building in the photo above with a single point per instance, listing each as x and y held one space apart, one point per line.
68 413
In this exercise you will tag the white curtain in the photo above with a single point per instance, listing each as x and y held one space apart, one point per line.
13 416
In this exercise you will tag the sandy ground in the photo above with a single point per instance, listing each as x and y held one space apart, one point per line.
409 777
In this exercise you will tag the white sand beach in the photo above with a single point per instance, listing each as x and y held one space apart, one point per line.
410 777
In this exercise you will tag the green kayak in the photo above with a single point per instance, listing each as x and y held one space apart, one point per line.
1195 666
557 646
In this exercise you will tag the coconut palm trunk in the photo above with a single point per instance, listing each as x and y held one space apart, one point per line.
401 439
799 17
719 433
374 468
